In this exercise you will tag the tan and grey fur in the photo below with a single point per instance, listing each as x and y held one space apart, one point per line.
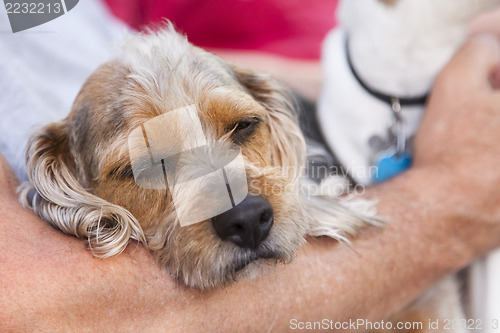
79 167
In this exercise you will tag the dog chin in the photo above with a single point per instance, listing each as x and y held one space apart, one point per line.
255 265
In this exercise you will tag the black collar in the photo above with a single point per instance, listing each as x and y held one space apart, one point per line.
391 100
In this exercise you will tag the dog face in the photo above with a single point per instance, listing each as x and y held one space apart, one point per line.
81 167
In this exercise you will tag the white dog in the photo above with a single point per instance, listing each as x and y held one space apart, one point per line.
378 69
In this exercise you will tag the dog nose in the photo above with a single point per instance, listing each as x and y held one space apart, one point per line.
247 224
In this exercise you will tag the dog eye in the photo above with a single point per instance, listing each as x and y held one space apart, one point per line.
243 125
243 129
122 172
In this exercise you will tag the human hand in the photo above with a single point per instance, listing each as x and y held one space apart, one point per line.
458 142
486 22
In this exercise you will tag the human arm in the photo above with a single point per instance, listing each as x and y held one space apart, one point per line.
441 215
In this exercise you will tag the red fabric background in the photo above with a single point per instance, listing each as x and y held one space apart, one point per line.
293 28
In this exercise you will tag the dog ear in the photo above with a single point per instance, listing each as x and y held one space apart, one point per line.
289 149
61 200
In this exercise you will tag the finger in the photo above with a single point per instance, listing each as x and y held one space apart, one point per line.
475 62
486 22
495 78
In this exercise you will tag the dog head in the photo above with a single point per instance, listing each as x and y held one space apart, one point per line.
427 15
82 169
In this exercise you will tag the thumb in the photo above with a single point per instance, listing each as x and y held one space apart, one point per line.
476 62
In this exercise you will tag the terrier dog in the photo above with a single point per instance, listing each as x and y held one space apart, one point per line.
125 164
379 66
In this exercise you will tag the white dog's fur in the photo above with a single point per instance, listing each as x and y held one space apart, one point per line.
397 47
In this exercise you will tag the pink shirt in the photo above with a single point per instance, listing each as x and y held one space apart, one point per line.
292 28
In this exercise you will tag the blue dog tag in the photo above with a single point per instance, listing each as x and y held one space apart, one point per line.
389 164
